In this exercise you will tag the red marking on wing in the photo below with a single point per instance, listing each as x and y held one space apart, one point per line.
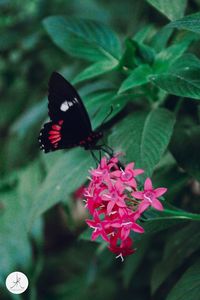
53 137
54 133
56 127
56 140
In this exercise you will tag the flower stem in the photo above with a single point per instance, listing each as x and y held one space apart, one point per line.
184 214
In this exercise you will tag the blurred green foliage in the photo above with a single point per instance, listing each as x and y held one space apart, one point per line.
141 57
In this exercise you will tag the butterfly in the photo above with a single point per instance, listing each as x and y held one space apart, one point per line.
69 124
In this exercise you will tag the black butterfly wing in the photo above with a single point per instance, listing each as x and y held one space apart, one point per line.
54 136
62 98
70 123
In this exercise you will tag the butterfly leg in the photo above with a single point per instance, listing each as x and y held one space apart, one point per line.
108 150
94 157
100 155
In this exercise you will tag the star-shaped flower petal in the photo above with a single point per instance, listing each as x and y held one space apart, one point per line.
149 196
127 176
99 227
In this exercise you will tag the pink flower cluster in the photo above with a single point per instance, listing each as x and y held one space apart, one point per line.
115 203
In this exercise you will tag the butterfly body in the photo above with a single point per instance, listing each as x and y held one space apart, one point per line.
69 124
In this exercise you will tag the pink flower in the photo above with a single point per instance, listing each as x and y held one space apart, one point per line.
104 168
79 193
149 196
114 196
116 205
126 224
124 249
99 227
127 176
94 199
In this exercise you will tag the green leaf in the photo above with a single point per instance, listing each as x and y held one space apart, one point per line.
186 150
83 38
144 54
159 224
182 78
99 105
95 87
143 33
66 175
175 253
188 287
15 250
49 160
29 182
172 9
138 76
190 22
29 119
143 136
165 172
169 55
176 85
96 69
132 262
161 38
136 53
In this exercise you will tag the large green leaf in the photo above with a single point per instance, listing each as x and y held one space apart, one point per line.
175 252
15 248
132 262
190 22
176 85
135 54
144 33
144 54
29 119
188 287
29 182
143 136
186 149
161 38
168 171
99 105
83 38
166 58
160 224
172 9
162 61
96 69
182 78
138 76
66 175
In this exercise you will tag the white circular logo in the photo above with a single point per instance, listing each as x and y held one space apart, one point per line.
17 282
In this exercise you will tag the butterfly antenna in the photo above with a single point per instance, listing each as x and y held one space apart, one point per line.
108 115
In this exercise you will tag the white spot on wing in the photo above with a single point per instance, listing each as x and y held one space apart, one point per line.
66 105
